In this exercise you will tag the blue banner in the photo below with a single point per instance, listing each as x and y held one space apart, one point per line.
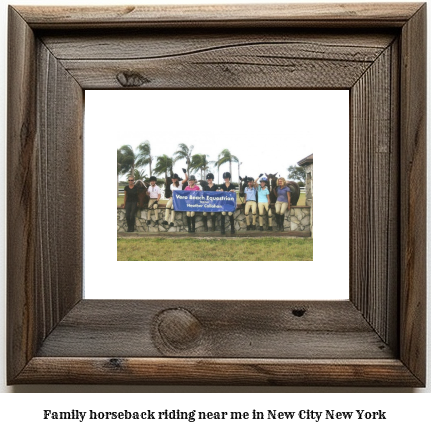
200 201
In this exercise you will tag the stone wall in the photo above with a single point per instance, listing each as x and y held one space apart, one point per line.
309 184
298 219
309 191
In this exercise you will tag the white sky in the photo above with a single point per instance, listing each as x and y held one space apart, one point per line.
268 130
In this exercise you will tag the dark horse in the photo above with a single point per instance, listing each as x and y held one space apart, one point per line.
168 192
143 198
295 191
202 183
243 183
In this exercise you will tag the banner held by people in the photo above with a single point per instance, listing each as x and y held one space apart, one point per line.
201 201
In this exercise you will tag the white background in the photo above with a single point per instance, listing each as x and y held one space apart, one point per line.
268 128
25 410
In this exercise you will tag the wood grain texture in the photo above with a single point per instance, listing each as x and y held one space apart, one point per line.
22 200
374 195
44 183
197 371
227 60
241 329
299 15
141 44
55 337
413 194
59 182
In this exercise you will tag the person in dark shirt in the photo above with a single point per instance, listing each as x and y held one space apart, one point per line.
191 214
227 187
130 203
211 188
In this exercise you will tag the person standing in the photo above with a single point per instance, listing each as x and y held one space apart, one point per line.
177 184
250 192
130 203
192 186
263 202
155 193
211 187
283 202
227 187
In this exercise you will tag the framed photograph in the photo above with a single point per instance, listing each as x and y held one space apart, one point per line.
268 130
374 338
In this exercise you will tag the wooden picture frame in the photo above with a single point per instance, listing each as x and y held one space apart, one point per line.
376 338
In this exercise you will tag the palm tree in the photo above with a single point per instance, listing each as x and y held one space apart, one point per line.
205 165
126 161
163 164
139 175
215 165
144 156
119 168
226 156
126 157
239 164
199 162
184 152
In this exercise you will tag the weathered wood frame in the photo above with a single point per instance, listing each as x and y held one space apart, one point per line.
376 338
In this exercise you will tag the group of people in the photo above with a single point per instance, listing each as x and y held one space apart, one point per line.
257 198
131 198
256 194
227 186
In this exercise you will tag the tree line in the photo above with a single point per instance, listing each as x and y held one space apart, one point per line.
133 162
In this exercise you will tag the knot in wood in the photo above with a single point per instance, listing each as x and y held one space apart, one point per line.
298 312
131 79
178 328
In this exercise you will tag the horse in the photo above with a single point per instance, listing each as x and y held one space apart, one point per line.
242 185
143 198
272 185
168 192
295 191
202 183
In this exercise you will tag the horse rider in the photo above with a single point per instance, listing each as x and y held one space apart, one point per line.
227 186
250 192
155 194
192 186
263 201
211 187
130 203
176 185
282 191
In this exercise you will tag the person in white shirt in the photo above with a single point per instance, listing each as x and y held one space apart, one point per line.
155 194
177 184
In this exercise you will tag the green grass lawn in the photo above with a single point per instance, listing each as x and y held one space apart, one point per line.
301 201
215 249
